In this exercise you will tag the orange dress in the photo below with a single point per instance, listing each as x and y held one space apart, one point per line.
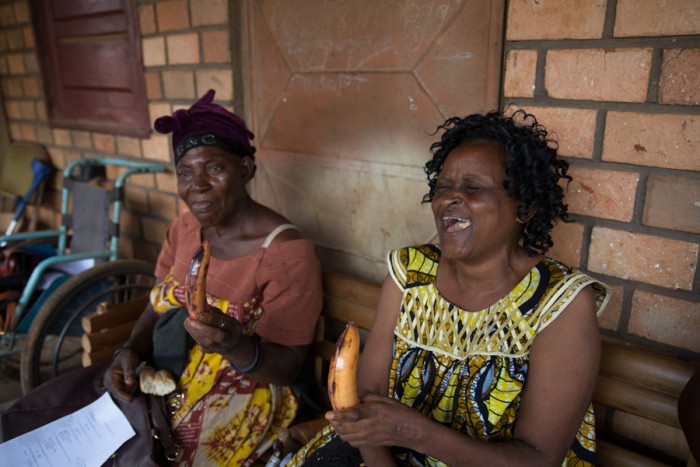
221 417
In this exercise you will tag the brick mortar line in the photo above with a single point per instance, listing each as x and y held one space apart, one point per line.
540 92
24 98
689 41
19 26
634 227
586 240
640 199
238 43
187 67
631 338
657 61
641 169
610 19
640 107
27 74
599 135
633 286
191 29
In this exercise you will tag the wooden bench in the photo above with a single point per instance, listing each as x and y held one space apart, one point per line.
108 328
632 380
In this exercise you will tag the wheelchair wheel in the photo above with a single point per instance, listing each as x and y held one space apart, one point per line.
53 344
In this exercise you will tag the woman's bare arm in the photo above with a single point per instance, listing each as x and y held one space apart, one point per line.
373 374
222 334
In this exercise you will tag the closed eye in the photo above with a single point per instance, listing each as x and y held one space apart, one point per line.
442 185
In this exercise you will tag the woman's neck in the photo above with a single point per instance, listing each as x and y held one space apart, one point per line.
241 234
477 286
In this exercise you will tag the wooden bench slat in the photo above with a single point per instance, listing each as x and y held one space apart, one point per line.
343 310
99 355
107 337
113 314
611 455
641 367
351 289
637 400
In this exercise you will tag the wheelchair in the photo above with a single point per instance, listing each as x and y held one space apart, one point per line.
78 270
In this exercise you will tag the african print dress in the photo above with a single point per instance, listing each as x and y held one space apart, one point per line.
221 417
467 370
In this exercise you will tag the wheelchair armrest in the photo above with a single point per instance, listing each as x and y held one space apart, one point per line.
23 236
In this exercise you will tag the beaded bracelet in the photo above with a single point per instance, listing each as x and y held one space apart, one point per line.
125 347
256 359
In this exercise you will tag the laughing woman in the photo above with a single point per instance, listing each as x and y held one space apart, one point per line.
484 351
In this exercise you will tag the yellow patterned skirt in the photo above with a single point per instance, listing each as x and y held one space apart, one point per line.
221 417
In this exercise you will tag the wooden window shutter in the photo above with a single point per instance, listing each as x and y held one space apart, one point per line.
90 53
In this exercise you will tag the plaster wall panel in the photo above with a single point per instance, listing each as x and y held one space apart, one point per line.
344 98
356 117
305 188
386 35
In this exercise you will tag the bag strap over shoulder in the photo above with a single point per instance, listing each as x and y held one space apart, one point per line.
277 231
161 427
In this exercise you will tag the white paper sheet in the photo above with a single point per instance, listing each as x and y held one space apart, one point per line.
85 438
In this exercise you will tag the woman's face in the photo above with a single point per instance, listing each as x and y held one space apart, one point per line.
212 183
475 217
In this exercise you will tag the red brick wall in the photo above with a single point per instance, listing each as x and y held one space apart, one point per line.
615 80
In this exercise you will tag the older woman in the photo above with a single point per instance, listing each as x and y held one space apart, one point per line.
235 365
483 350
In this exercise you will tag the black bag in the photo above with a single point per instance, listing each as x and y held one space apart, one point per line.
16 266
17 261
152 445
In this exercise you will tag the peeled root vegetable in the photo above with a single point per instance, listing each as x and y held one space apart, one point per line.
342 374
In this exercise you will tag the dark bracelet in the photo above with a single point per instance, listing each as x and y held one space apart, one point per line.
126 347
256 359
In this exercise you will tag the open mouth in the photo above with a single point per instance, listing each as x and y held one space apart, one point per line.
452 224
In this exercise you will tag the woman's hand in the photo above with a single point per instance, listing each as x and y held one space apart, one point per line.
215 332
120 379
378 421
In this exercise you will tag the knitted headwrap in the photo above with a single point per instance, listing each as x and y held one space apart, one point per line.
206 124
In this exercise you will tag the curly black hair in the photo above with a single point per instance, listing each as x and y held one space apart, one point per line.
533 169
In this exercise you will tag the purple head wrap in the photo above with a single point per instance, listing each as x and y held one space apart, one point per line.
206 124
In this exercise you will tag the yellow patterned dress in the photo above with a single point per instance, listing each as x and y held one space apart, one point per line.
467 370
219 416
